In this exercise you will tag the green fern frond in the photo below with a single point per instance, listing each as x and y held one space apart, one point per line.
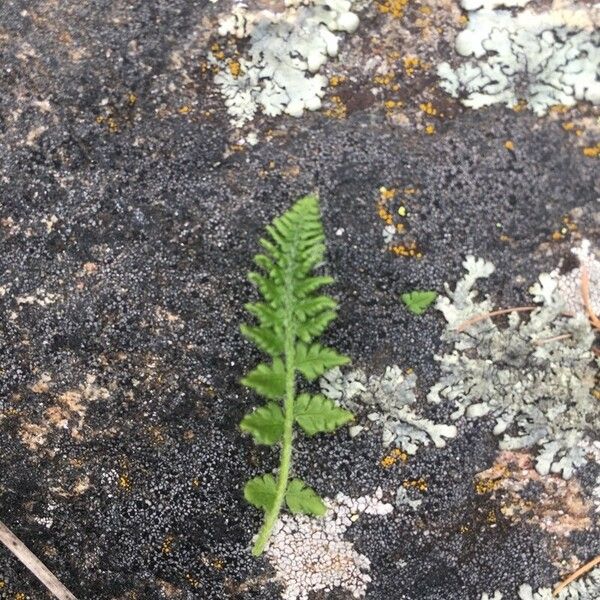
290 317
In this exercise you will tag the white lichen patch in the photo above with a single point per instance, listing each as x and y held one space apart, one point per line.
545 58
286 51
311 555
534 375
388 402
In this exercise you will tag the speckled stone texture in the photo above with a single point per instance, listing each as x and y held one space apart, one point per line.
127 224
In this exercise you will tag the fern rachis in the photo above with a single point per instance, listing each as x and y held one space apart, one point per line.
290 317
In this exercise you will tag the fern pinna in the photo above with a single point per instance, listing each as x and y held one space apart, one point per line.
289 319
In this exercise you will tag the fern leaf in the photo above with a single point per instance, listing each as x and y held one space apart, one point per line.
312 284
260 491
301 498
289 317
318 414
267 380
265 424
315 359
315 326
309 307
267 339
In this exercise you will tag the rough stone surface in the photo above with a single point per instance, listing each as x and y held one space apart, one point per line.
129 213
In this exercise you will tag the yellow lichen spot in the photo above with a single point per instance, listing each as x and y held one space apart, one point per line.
217 52
426 10
338 109
412 63
486 486
99 119
415 484
557 236
409 191
131 98
195 583
195 482
235 68
112 124
463 19
568 126
336 80
407 250
402 211
218 564
184 110
20 596
509 145
392 458
387 194
428 109
167 545
394 8
430 129
385 79
491 517
592 151
464 529
124 482
559 109
389 104
520 106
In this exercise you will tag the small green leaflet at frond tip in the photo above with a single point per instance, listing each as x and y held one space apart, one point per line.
301 498
267 380
265 424
260 491
418 301
318 414
315 359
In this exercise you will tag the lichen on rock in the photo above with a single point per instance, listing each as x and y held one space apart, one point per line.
386 401
535 375
286 51
546 57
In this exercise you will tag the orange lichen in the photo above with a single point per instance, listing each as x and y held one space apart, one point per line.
412 63
520 106
167 545
124 481
338 109
592 151
415 484
408 250
336 80
392 458
509 145
394 8
184 110
430 129
235 68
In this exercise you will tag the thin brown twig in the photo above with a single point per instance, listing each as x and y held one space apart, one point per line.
585 295
571 578
555 338
34 564
494 313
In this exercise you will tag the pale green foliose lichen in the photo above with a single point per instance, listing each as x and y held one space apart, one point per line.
534 374
387 402
545 57
286 50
